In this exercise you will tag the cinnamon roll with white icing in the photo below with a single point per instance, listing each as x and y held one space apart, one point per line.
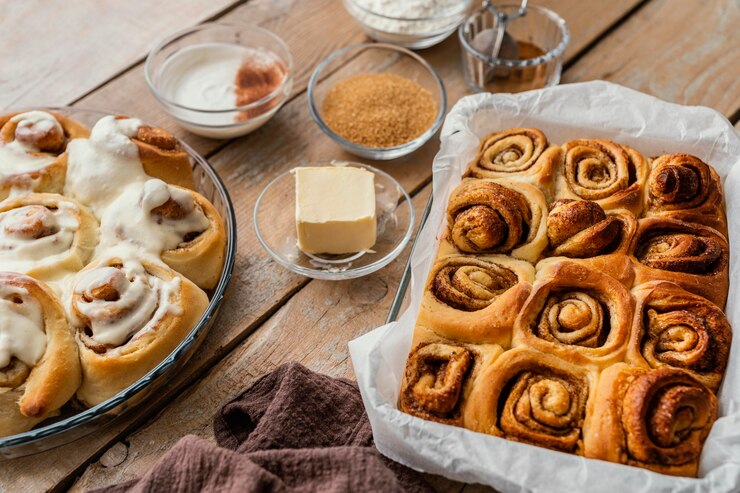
175 223
39 364
32 150
129 316
46 235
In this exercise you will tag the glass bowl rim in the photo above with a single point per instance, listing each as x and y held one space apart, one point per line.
351 146
447 13
349 273
502 62
183 33
193 336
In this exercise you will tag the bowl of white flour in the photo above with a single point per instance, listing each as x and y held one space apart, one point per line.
413 24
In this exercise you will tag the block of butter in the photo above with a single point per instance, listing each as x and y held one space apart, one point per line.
335 209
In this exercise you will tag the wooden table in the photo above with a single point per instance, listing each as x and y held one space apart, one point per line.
70 53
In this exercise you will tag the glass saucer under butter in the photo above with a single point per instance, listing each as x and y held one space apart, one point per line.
275 226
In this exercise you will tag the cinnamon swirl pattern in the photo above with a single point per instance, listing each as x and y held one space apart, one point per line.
657 419
684 187
33 151
533 398
39 364
129 315
580 229
601 280
439 376
579 314
497 216
675 328
603 171
475 299
693 256
520 153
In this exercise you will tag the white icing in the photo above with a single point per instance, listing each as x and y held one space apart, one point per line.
21 326
130 218
143 300
21 250
100 167
17 157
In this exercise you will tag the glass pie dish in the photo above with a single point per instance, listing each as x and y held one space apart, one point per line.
74 423
276 229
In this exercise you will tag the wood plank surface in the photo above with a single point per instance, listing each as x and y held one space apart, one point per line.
246 166
54 51
260 286
304 330
684 51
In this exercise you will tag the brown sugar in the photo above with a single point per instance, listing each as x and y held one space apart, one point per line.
379 110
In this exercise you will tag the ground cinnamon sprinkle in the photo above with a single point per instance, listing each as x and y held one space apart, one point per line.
379 110
257 78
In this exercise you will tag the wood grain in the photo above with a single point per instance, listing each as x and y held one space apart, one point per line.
294 21
260 286
53 52
686 52
312 329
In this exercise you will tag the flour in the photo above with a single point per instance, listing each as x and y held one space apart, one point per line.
438 15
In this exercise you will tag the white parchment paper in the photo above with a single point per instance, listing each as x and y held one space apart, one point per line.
591 109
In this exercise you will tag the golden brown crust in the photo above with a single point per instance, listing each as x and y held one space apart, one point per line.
682 186
657 419
163 157
581 230
693 256
517 153
579 314
439 376
496 216
531 397
602 171
201 259
40 392
107 370
475 299
51 177
675 328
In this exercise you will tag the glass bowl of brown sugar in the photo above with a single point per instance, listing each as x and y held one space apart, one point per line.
377 101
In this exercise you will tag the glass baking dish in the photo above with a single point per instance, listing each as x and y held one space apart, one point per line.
73 424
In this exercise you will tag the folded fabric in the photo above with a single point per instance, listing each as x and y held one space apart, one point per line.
293 431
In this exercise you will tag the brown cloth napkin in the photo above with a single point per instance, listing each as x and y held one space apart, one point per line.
292 431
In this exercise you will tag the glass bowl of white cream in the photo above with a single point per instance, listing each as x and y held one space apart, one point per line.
414 24
221 80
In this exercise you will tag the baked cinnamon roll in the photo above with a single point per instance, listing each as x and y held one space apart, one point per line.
439 375
32 150
475 298
496 216
603 171
163 157
176 223
675 328
531 397
693 256
682 186
519 153
580 229
39 364
657 419
120 152
579 314
129 315
45 235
